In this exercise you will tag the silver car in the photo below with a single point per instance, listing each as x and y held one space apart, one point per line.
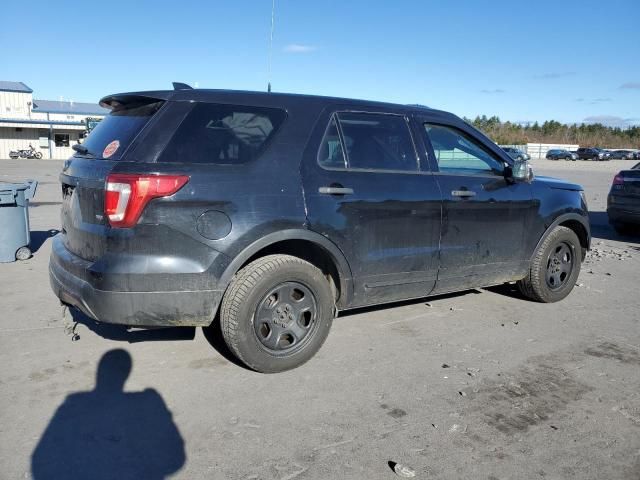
516 154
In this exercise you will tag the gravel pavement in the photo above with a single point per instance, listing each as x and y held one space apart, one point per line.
477 385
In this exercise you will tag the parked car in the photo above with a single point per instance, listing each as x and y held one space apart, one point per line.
265 214
557 154
596 154
516 153
623 202
623 154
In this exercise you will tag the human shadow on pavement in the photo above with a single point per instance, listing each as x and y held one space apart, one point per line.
39 237
108 433
124 334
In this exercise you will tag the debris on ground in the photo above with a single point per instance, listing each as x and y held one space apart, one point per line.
403 471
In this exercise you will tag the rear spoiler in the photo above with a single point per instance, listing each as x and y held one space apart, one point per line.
119 100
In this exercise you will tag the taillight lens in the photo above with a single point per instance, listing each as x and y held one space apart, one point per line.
126 195
618 180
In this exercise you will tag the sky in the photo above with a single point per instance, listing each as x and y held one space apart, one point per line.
571 61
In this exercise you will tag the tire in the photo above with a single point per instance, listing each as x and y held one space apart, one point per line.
261 289
536 285
23 253
38 155
567 158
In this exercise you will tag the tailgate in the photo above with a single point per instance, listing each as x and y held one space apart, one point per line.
83 178
631 179
83 226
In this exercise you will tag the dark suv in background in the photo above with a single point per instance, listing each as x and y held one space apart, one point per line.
557 154
623 201
266 214
595 154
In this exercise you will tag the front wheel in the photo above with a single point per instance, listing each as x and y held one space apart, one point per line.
554 268
277 313
38 155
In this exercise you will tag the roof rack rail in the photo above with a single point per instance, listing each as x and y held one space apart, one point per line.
181 86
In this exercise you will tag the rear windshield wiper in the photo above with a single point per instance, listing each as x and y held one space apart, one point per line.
81 149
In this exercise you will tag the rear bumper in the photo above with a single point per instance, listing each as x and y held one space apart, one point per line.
139 308
623 215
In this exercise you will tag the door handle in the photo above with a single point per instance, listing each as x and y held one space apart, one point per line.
463 193
336 190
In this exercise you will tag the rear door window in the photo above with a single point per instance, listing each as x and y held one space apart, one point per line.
111 137
222 134
370 141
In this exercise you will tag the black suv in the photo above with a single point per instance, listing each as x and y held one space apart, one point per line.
595 154
265 214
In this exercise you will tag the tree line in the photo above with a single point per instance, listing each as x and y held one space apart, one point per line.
585 135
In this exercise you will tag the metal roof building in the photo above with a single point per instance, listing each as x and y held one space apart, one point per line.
51 126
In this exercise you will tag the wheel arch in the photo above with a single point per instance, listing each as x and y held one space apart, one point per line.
305 244
575 222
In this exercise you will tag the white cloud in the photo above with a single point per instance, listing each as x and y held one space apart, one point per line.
299 48
553 75
611 120
630 86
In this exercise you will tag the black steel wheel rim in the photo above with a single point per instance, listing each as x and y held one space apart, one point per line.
559 266
286 317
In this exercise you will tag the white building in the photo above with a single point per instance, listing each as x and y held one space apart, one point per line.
51 126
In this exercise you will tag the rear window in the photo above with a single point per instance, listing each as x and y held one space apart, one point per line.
222 134
111 137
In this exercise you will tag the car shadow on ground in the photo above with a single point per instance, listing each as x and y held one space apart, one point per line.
122 333
108 433
39 237
601 229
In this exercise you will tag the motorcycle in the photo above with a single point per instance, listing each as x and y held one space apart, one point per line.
26 153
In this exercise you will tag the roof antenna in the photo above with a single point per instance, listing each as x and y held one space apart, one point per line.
273 9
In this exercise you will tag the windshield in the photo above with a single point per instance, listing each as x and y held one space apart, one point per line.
111 137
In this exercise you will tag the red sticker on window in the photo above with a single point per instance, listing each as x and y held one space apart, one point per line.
111 149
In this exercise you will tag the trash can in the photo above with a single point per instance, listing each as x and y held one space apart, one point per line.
14 220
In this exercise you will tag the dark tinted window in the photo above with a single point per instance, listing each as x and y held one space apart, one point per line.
377 142
456 152
223 134
119 128
331 154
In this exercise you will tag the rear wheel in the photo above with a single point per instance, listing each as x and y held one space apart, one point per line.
277 313
555 267
567 158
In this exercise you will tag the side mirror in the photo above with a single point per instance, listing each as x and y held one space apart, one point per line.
520 171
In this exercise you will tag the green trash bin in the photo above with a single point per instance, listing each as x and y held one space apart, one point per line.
14 220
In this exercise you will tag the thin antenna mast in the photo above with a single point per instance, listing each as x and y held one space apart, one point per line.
273 10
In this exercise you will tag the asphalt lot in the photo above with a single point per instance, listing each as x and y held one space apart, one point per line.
478 385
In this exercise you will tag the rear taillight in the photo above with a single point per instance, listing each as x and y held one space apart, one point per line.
618 181
126 195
